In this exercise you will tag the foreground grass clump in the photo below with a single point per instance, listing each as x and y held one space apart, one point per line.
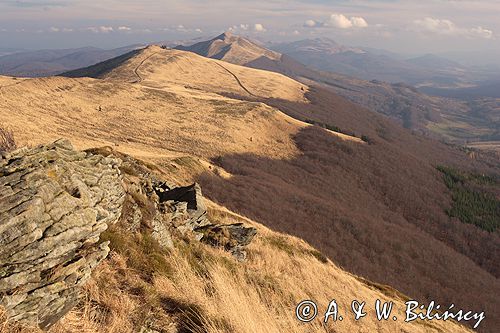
472 203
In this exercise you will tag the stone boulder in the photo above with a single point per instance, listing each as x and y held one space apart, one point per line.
54 204
189 214
232 237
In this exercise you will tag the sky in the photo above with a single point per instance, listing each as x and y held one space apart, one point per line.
403 26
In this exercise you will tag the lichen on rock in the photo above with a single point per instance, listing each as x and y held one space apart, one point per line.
54 204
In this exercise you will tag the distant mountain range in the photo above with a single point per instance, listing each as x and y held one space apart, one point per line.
456 120
490 88
429 70
7 50
52 62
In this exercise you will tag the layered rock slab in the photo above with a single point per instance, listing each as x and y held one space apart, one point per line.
54 204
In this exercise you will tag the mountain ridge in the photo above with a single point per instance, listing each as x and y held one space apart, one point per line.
230 48
442 118
273 158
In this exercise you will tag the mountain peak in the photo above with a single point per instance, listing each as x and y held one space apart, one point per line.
231 48
225 35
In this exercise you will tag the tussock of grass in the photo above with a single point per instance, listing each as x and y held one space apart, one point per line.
143 253
283 244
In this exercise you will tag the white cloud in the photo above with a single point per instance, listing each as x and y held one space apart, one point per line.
105 29
259 27
101 29
296 32
311 24
442 27
343 22
359 22
124 28
56 29
481 32
339 21
447 27
182 28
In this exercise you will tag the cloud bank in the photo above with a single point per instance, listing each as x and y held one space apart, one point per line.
431 25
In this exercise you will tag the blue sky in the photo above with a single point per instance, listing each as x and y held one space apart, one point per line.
399 25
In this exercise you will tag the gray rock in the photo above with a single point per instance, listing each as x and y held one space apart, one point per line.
54 204
183 209
232 237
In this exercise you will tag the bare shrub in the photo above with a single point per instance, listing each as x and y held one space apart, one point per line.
7 141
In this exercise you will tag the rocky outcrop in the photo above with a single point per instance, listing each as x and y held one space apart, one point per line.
167 210
185 204
54 204
188 203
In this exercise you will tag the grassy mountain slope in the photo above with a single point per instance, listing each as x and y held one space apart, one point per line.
197 288
377 209
454 120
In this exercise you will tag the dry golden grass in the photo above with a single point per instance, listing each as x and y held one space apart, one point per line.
176 109
163 120
143 121
8 326
161 68
7 140
200 289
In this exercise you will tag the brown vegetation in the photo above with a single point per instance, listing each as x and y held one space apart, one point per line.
377 210
8 326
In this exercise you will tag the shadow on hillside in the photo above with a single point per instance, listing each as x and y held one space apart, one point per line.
373 210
